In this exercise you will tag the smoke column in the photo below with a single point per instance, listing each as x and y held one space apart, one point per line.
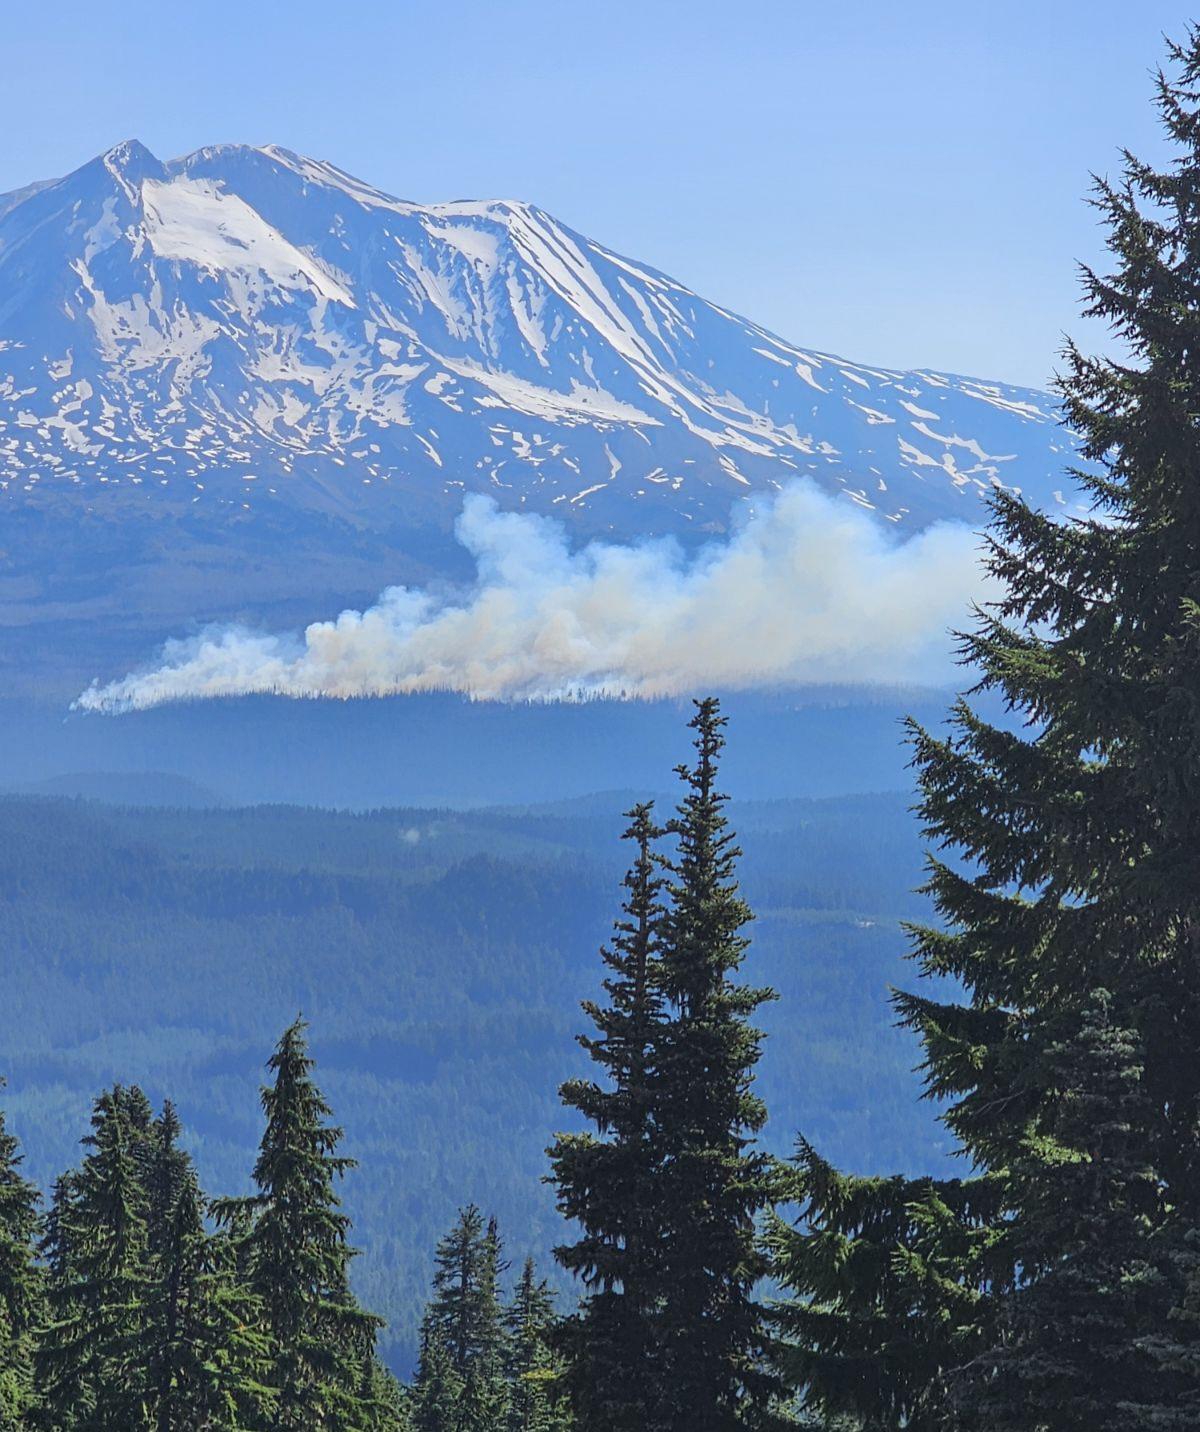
807 588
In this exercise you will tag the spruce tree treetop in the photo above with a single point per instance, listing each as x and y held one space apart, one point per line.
714 1182
299 1229
535 1402
707 913
167 1171
296 1251
608 1177
92 1358
465 1319
602 1177
1085 829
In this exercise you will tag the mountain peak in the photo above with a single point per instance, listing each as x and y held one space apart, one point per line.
258 331
127 152
130 159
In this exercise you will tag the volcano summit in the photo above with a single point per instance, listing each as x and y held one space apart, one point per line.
245 383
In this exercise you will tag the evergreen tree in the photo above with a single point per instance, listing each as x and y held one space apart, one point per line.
1077 824
1068 1357
167 1170
609 1181
534 1373
92 1357
54 1247
890 1282
210 1354
20 1284
436 1393
463 1336
297 1258
385 1397
712 1182
1175 1346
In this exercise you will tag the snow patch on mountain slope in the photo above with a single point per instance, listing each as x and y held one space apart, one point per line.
193 221
251 309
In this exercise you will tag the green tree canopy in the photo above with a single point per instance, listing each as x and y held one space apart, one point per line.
1066 871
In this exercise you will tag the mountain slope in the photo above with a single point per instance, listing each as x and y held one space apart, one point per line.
244 378
249 315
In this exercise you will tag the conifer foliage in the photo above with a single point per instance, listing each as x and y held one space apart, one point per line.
211 1347
463 1333
293 1245
136 1311
890 1282
1068 1337
20 1285
92 1364
1070 1072
713 1183
486 1367
609 1181
668 1186
534 1373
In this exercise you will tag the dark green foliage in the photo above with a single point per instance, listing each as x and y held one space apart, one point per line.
167 1170
462 1372
610 1182
149 1325
1082 1204
889 1280
435 1397
385 1397
296 1256
93 1357
712 1182
20 1284
484 1368
668 1188
211 1351
1070 1072
1175 1346
155 1322
536 1401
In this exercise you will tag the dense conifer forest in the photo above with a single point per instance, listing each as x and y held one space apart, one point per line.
1049 1281
440 957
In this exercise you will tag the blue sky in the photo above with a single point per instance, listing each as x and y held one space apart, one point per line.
899 184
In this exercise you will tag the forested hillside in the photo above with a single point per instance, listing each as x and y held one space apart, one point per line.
440 958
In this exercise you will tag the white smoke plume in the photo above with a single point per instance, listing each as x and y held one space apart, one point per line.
806 589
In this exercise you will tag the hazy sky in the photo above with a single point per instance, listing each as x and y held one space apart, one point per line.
901 184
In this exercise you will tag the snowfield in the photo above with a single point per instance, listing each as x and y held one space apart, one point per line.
246 330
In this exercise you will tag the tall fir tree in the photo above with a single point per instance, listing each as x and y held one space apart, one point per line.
92 1357
21 1305
463 1334
608 1182
209 1352
712 1181
1076 823
536 1400
166 1170
297 1257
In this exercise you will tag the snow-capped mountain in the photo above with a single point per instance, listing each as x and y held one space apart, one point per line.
248 327
243 384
